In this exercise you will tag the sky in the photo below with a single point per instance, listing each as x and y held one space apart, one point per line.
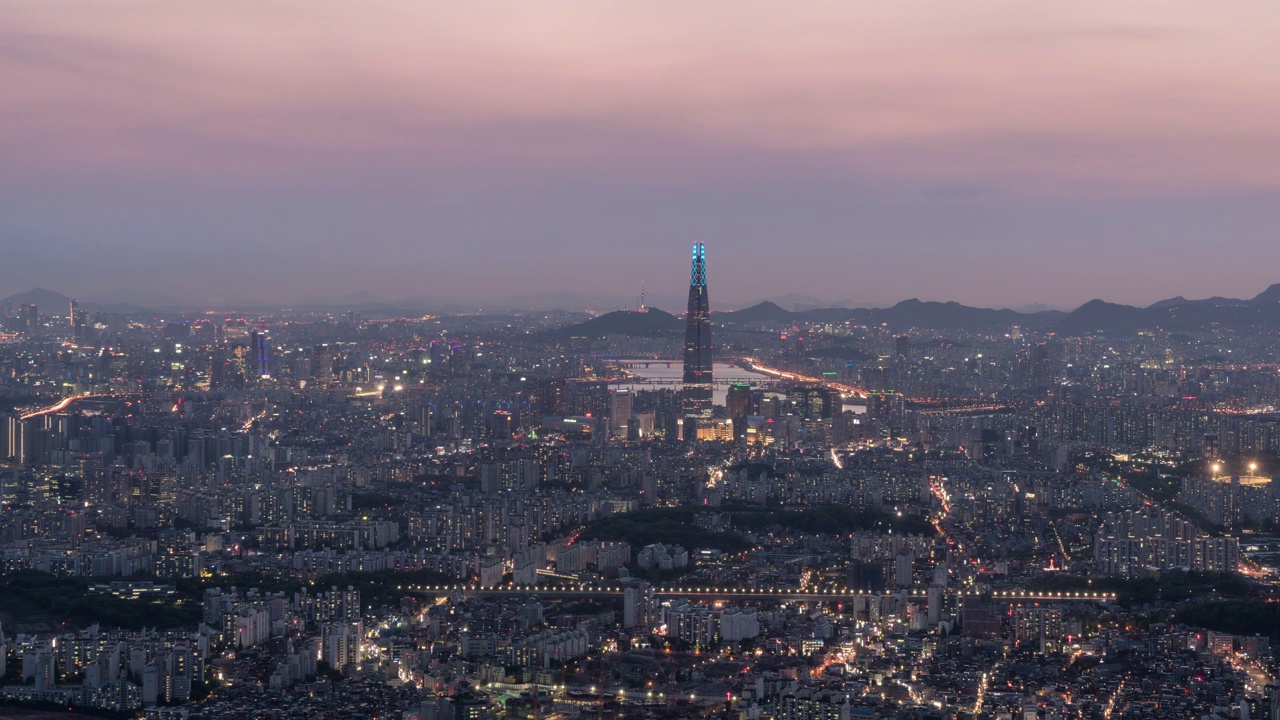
992 152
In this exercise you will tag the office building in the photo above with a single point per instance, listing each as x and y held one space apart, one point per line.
261 359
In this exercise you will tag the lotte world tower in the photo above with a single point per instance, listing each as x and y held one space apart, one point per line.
697 346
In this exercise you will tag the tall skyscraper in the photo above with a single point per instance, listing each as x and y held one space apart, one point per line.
740 401
322 365
261 360
77 319
30 317
697 346
619 411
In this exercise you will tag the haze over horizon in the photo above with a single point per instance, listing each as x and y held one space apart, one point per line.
52 300
993 153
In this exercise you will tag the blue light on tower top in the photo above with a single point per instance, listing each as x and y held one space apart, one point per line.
698 275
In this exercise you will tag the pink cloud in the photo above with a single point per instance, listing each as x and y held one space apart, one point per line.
1017 97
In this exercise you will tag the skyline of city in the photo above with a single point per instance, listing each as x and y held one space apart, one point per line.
125 301
728 516
351 367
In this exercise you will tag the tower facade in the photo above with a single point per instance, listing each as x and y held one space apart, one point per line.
77 320
30 317
697 346
261 360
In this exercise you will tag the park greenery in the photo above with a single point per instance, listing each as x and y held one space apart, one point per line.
381 588
31 596
680 525
1237 617
66 602
1166 587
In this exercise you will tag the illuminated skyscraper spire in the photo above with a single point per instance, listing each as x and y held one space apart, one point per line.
698 273
697 346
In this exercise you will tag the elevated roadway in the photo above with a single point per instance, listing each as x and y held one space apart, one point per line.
769 594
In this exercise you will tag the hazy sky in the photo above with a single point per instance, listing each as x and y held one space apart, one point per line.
991 152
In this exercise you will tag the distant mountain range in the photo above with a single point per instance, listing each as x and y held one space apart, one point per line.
1261 312
55 303
1094 317
651 323
906 314
47 299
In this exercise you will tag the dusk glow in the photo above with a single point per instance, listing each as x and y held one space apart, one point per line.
278 151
